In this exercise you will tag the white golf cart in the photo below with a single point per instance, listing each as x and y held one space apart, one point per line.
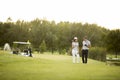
22 48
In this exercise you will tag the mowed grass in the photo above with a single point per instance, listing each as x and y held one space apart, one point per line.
53 67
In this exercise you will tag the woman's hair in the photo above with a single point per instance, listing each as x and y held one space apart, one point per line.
74 40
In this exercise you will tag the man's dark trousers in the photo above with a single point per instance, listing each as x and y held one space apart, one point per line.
84 56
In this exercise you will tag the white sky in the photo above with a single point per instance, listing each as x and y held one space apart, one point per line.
102 12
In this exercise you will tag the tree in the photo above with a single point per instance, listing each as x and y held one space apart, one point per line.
9 19
113 41
43 47
4 31
17 32
57 36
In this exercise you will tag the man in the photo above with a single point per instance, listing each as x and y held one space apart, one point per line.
85 47
30 52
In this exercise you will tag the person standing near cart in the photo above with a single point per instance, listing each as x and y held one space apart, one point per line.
86 44
30 52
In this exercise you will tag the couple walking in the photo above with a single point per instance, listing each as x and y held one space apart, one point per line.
75 50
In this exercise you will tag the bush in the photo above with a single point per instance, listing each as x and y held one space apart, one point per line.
63 51
97 53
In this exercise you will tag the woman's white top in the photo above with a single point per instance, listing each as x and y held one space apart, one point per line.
75 46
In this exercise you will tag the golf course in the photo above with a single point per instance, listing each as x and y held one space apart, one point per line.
53 67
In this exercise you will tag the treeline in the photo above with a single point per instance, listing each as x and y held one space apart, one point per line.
56 36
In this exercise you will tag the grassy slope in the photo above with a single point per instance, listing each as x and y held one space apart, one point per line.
53 67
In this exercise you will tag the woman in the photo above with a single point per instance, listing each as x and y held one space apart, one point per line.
75 50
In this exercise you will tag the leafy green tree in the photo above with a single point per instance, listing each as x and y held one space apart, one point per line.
113 41
4 31
43 47
58 36
18 32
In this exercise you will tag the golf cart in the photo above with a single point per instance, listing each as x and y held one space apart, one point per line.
22 48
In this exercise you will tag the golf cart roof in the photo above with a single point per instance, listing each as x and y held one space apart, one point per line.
22 42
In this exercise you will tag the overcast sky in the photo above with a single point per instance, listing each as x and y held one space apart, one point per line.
102 12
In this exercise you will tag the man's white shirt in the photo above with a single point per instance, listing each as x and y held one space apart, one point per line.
86 42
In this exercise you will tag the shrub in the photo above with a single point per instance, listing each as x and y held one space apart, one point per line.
97 53
63 51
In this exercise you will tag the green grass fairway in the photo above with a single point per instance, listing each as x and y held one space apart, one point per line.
53 67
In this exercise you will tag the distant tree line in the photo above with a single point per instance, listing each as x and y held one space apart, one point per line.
54 36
